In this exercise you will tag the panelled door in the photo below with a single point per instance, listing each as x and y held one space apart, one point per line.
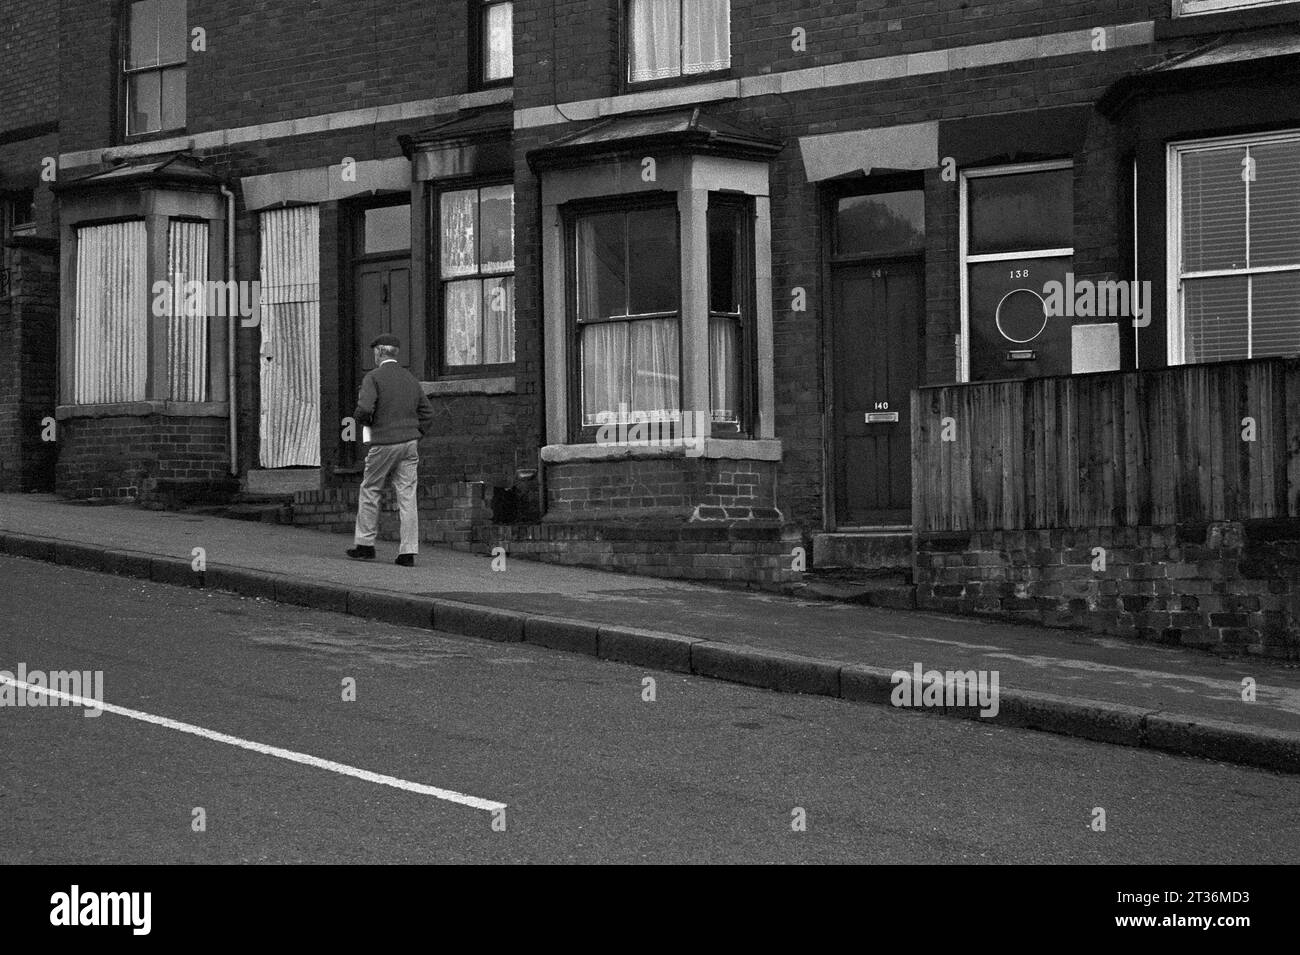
877 323
383 305
381 282
878 315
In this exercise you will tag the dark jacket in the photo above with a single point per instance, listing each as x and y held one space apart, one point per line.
393 404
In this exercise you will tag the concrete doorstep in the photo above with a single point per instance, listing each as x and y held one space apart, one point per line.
1107 722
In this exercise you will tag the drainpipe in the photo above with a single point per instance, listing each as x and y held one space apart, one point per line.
231 328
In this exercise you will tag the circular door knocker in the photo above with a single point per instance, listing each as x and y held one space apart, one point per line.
1021 315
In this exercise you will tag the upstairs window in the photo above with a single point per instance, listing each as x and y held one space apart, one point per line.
1184 8
494 27
674 38
1237 249
154 66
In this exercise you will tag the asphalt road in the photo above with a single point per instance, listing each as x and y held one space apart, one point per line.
589 771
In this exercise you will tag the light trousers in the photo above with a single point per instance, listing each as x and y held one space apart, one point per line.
402 462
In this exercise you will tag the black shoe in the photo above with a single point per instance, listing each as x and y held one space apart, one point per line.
405 560
361 552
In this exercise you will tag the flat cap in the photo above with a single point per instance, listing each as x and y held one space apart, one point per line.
386 339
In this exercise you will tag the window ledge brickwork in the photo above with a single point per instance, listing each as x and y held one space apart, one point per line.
714 448
142 409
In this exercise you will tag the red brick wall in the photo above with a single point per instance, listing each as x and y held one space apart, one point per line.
29 81
602 490
838 32
268 61
135 456
1226 587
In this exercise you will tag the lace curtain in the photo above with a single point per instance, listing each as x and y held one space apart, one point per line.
676 37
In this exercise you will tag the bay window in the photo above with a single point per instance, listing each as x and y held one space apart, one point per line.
628 300
657 296
1235 262
673 38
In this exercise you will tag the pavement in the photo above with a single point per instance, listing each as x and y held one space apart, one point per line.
1067 682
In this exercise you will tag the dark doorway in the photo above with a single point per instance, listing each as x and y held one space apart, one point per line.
378 298
381 281
877 324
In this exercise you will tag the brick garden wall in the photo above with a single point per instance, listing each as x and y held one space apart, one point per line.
460 515
666 487
140 456
1228 587
736 554
449 513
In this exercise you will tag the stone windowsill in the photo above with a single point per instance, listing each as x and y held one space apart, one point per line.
143 409
768 449
504 385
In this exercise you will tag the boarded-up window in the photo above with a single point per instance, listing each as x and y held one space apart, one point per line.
290 325
111 314
187 318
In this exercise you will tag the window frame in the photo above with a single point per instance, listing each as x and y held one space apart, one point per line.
747 320
1176 346
435 352
10 228
125 73
357 213
478 52
1196 8
572 212
965 258
682 78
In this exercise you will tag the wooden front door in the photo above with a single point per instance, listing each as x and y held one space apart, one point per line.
383 304
878 321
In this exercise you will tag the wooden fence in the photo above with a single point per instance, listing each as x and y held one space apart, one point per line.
1115 449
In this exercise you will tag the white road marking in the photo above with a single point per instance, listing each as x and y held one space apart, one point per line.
474 802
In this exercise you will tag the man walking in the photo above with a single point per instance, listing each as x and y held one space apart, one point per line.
394 408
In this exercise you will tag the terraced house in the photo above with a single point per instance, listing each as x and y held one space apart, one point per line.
996 301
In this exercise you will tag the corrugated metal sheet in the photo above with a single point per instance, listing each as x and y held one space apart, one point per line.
187 333
290 323
112 314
